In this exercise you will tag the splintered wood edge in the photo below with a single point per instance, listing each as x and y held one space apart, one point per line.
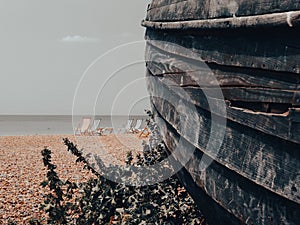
290 19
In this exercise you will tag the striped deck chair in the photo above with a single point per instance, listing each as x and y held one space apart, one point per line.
127 128
83 126
138 126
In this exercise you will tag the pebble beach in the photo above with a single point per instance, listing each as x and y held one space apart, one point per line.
22 170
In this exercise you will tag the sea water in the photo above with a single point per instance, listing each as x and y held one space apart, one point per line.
14 125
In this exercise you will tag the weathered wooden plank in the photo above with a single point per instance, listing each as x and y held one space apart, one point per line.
167 10
226 191
224 77
267 161
295 126
190 72
178 11
284 19
247 94
260 51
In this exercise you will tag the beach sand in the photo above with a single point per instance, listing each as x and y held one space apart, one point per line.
22 170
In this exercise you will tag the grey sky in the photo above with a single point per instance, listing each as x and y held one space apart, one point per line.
47 45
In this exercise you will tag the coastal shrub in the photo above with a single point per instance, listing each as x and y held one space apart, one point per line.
102 201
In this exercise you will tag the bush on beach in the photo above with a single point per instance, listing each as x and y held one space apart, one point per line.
102 201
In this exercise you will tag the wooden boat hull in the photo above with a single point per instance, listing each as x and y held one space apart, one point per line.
264 166
204 67
226 197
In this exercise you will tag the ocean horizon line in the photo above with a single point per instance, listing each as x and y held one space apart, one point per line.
9 116
12 125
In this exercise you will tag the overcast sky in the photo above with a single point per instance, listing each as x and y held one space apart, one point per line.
46 46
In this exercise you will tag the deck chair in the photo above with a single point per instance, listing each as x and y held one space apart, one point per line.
83 126
127 128
96 129
137 128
